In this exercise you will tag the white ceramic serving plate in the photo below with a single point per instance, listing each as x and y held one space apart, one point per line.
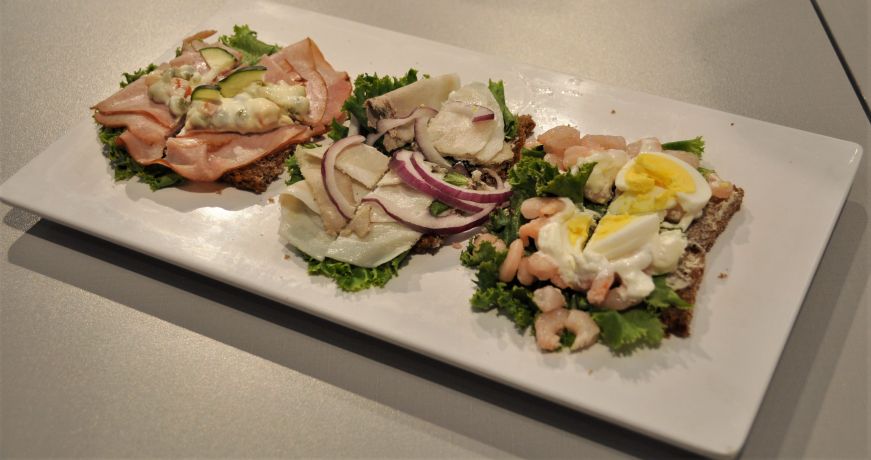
701 393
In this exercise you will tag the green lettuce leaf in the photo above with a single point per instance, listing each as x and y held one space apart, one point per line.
131 77
571 185
457 179
513 302
663 296
351 278
498 90
245 40
437 208
368 86
293 169
624 332
337 131
536 152
124 167
695 146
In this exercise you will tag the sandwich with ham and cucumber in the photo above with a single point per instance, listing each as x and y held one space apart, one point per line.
229 110
419 161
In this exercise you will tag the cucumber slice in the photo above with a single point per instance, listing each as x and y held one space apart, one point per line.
237 81
206 93
218 58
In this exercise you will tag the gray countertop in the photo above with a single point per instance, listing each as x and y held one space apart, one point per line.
106 352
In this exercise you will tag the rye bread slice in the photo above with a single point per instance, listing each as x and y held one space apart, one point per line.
257 176
701 236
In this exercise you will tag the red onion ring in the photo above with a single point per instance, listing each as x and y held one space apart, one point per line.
386 124
476 112
400 164
476 196
328 174
422 221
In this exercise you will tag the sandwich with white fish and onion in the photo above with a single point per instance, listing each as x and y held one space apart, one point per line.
419 160
228 111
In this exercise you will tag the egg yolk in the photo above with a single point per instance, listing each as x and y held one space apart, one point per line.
611 224
649 171
578 227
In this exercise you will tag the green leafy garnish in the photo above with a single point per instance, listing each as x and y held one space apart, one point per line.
125 167
663 296
437 208
337 131
571 185
514 302
567 338
705 171
245 41
292 164
368 86
624 332
695 146
131 77
351 278
498 90
536 152
457 179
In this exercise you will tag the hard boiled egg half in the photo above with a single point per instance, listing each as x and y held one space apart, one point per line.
656 182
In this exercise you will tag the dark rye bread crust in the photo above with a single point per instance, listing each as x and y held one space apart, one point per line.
525 127
257 176
701 236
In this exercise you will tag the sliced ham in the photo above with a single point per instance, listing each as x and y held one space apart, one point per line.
144 138
134 99
326 88
205 157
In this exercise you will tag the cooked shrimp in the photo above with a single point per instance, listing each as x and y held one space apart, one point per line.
547 328
557 281
687 157
549 325
548 298
603 142
556 160
541 266
531 229
509 266
556 140
523 276
538 206
573 154
619 299
719 188
497 243
600 286
648 144
584 327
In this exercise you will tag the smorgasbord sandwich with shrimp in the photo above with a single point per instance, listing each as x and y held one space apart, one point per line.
601 241
418 160
228 111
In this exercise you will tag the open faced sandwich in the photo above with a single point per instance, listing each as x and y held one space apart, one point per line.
602 241
418 161
227 111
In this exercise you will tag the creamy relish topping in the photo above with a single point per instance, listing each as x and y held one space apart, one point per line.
259 108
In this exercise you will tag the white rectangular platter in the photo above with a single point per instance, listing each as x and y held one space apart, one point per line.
700 393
